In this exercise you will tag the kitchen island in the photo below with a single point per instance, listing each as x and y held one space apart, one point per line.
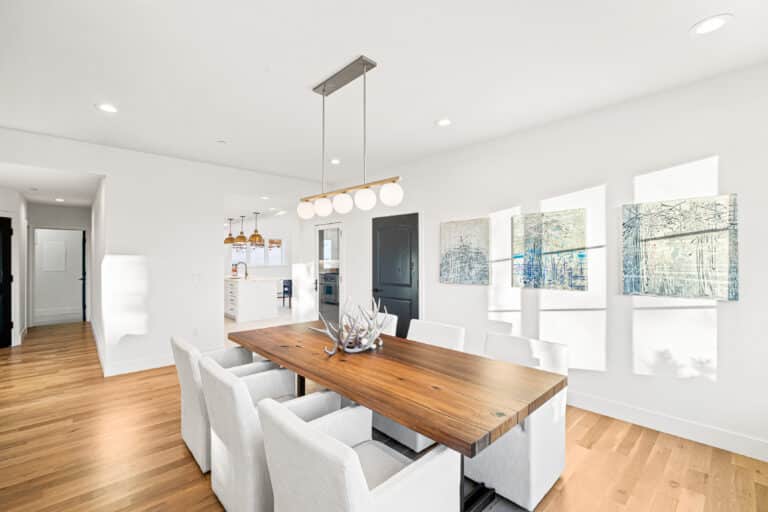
254 298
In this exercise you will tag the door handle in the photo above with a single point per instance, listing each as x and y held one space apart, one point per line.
376 290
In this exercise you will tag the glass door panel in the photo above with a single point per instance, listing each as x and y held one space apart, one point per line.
328 272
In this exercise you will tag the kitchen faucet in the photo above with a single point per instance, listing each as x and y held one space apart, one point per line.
246 267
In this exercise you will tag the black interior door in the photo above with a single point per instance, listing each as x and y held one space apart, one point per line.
396 267
5 282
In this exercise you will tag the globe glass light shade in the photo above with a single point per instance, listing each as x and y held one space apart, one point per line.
305 210
343 203
365 199
323 207
391 194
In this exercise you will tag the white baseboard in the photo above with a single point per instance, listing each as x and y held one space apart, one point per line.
707 434
137 365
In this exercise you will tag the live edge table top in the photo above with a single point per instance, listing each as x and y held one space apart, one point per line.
462 401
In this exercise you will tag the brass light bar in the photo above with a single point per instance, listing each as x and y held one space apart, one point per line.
393 179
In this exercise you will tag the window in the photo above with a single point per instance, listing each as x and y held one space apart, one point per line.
271 253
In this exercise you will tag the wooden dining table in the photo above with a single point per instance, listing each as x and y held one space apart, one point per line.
460 400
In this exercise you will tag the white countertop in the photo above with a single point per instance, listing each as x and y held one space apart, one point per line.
255 279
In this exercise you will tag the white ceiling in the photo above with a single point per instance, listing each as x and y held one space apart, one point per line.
187 73
40 185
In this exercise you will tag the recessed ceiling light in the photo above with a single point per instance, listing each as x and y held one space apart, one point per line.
107 107
281 212
711 24
272 208
59 200
335 161
442 123
266 198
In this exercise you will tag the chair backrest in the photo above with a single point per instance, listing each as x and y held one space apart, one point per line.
310 470
186 357
544 355
390 323
438 334
230 409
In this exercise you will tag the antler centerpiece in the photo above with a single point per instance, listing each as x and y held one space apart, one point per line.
356 332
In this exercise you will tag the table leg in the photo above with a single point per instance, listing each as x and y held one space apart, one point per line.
461 484
478 498
301 385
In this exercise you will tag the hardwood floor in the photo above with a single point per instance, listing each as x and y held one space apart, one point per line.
72 440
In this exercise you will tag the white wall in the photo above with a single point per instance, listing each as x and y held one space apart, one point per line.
724 116
23 278
14 206
59 216
170 211
48 216
98 236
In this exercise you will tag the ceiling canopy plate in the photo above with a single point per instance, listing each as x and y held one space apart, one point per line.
344 76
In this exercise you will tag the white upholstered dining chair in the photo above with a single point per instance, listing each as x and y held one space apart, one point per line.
433 333
195 428
438 334
390 323
239 475
524 464
332 465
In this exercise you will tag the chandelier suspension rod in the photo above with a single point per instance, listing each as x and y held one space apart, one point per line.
322 187
365 124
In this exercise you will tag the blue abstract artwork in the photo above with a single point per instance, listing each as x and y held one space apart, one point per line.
464 249
549 250
682 248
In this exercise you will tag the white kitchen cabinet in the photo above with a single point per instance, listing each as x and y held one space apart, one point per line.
246 300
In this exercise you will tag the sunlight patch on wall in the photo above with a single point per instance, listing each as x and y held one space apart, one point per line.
504 302
579 318
584 333
676 337
675 342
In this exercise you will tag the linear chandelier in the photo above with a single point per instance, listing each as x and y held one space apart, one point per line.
340 200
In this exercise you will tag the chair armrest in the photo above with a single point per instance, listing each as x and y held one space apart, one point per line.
251 368
233 356
351 425
270 384
313 406
429 483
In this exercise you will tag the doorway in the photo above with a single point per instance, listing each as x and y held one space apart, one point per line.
6 322
396 267
58 286
328 282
